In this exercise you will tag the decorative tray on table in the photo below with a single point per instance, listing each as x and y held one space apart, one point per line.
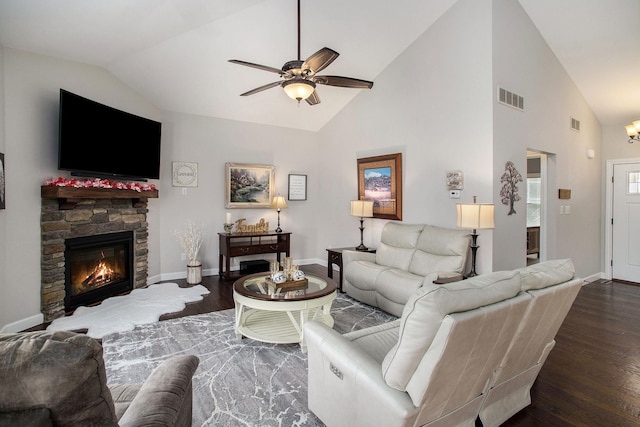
289 285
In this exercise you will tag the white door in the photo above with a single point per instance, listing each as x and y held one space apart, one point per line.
626 222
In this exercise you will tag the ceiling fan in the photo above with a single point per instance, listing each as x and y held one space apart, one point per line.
299 78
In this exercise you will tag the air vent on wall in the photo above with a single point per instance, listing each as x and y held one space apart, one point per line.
511 99
575 124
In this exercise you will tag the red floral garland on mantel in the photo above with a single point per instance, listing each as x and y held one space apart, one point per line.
98 183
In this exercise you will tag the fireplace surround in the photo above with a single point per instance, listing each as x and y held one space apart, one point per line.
70 213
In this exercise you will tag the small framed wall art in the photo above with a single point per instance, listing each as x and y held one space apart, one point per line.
297 187
185 174
380 181
249 186
455 180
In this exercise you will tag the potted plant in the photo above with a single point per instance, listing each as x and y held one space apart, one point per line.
191 238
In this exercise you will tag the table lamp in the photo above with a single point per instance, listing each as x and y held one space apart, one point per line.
475 216
279 203
363 209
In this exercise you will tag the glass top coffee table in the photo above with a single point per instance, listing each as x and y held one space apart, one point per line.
278 315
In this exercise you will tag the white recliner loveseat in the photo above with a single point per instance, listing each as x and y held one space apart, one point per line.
408 256
460 350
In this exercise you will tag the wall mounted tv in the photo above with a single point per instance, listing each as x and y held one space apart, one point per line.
96 140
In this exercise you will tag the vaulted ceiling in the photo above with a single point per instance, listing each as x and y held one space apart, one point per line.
175 52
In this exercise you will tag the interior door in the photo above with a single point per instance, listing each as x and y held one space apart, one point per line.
626 222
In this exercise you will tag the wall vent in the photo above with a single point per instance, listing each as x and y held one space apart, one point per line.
511 99
575 124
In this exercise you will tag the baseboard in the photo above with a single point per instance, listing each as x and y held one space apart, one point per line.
214 271
594 277
22 324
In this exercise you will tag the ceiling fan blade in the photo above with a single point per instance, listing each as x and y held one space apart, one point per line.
261 88
340 81
313 99
320 60
258 66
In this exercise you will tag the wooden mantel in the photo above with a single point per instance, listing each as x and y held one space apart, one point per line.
70 196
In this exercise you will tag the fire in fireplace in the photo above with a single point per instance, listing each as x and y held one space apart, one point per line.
97 267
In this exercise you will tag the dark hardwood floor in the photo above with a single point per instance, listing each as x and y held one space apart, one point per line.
591 377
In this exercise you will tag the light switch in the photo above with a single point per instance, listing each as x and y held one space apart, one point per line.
454 194
184 191
567 210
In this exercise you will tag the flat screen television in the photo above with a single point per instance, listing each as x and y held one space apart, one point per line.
96 140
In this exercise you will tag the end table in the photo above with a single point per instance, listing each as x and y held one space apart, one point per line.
334 256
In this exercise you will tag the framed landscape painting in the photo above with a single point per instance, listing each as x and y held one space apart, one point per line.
248 186
380 181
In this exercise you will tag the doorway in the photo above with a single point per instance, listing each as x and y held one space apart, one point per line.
624 207
536 206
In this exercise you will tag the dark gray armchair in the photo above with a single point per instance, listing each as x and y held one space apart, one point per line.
58 379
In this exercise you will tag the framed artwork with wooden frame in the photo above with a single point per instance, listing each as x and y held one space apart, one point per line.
249 186
380 181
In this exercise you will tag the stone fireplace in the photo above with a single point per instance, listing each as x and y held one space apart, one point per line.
77 216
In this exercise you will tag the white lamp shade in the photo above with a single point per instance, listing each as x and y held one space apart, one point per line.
476 215
279 202
362 208
631 130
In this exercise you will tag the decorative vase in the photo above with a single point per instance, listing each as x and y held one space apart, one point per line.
194 273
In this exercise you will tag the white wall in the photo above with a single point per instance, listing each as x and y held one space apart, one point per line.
31 85
213 142
4 303
432 104
524 64
435 104
31 96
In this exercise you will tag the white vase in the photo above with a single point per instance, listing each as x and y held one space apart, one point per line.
194 273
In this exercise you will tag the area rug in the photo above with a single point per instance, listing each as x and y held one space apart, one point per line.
238 382
123 313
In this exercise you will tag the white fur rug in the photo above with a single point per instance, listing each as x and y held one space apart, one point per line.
123 313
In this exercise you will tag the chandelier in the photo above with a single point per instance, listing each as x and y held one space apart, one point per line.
633 131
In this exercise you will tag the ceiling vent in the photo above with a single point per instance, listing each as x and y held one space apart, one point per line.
511 99
575 124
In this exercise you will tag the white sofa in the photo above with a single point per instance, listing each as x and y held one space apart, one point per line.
460 350
409 256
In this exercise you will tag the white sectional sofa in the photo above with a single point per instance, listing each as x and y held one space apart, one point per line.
460 351
408 257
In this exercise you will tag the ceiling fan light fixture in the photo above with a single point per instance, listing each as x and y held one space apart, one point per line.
299 89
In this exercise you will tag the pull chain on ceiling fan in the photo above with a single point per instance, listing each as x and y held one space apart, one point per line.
299 77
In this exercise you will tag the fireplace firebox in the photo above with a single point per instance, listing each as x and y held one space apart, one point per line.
97 267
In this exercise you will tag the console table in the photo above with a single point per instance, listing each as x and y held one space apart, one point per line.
233 245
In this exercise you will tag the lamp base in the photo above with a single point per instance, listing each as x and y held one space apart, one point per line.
361 247
474 249
278 230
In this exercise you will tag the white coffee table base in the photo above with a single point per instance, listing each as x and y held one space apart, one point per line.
280 322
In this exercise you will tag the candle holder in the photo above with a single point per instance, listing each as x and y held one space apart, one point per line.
227 228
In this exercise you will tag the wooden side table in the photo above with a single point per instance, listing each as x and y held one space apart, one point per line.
334 256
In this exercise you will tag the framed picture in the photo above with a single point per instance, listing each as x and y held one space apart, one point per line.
455 180
297 187
2 188
185 174
248 186
380 180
